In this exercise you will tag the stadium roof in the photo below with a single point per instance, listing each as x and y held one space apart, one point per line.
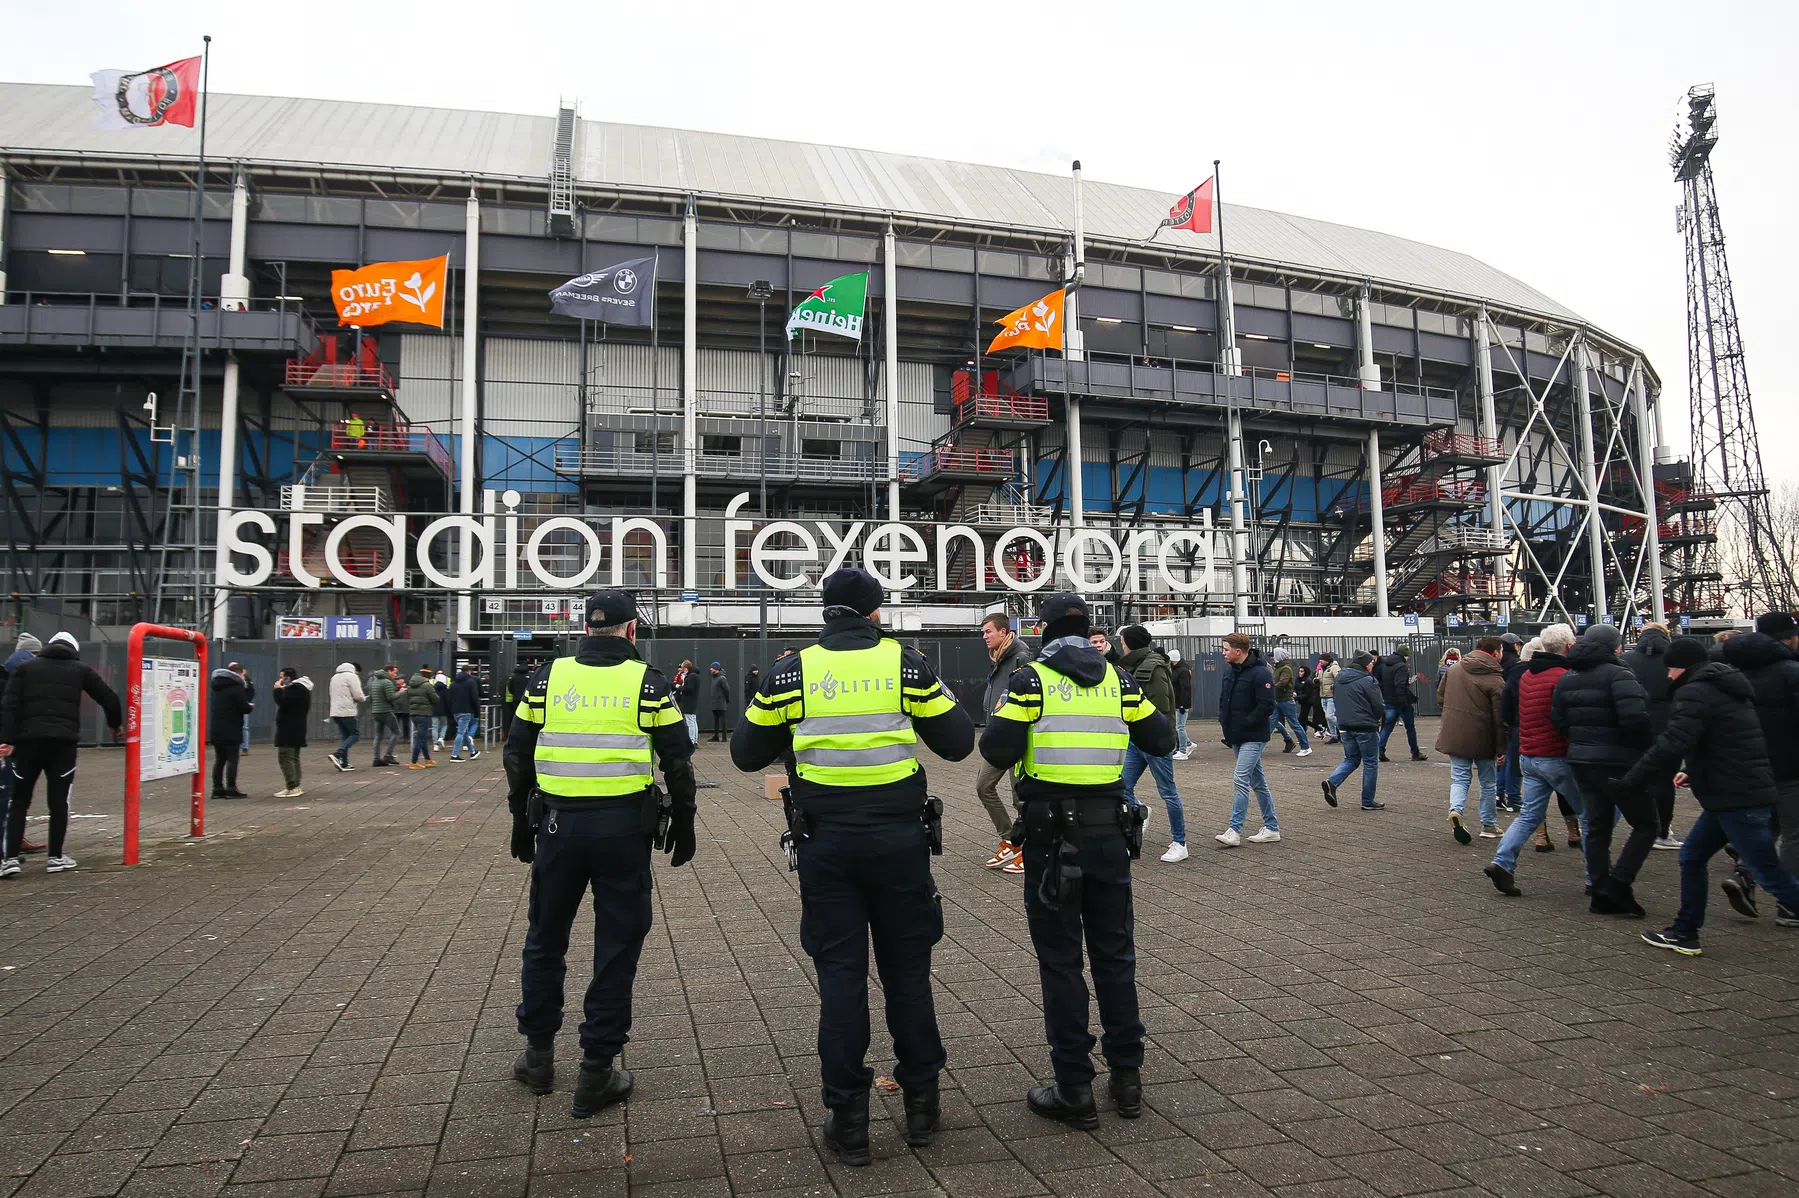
278 131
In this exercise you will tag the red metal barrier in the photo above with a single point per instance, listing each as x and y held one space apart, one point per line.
394 438
134 692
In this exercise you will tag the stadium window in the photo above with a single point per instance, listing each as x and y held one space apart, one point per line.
1182 345
1536 343
280 208
162 201
1309 302
817 447
606 226
98 201
911 253
1112 336
84 274
392 214
814 245
1124 278
719 237
952 257
1198 287
756 240
515 222
651 231
943 390
664 442
857 249
1161 282
1000 264
719 445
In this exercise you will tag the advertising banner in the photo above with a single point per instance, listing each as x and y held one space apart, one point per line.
407 292
170 713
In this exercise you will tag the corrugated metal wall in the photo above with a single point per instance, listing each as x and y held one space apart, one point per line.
429 367
919 424
531 387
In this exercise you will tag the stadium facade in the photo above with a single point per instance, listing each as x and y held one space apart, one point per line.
1373 426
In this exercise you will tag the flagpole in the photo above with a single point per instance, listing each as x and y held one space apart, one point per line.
1227 336
196 285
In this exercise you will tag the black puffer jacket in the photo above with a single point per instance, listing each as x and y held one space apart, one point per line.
1773 674
1649 662
1600 707
43 697
1394 673
227 703
1713 729
1246 701
293 705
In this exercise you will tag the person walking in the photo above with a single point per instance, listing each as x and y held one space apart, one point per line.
1246 714
1395 676
421 697
1510 781
293 710
1358 715
1066 724
719 690
1286 708
440 707
228 705
40 726
513 695
687 697
24 649
1008 653
1648 660
1766 658
859 812
465 709
586 814
346 696
1472 733
1604 712
1714 728
1182 670
1156 681
1328 669
384 697
1542 748
403 709
752 682
243 747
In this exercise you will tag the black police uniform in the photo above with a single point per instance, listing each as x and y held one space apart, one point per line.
864 866
1100 913
600 843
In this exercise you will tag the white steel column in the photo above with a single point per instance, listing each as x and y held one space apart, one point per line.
1074 351
690 399
1489 428
1589 473
1376 509
890 315
1239 534
468 484
1364 339
234 294
1635 394
2 236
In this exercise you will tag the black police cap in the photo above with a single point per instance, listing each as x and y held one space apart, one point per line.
607 608
1061 607
853 588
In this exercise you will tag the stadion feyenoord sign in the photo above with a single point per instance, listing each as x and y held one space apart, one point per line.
510 552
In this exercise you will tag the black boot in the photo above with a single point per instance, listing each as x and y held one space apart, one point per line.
1127 1091
1072 1105
922 1113
536 1069
598 1087
846 1130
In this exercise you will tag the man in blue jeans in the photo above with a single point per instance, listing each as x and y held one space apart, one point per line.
1151 669
1525 707
1359 709
1713 727
1395 676
1246 713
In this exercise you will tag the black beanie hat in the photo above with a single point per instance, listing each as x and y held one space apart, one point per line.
1777 624
854 589
1687 652
1063 615
1136 636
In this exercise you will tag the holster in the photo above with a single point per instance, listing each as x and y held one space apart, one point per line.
534 807
798 828
933 824
1062 880
656 814
1131 818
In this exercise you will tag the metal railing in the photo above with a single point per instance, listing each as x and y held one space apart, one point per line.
1443 490
393 439
629 463
84 317
1009 515
1019 408
303 498
950 459
1448 443
336 376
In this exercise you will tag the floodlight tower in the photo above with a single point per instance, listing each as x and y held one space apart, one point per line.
1727 456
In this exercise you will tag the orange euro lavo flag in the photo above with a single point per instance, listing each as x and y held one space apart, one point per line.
408 292
1037 325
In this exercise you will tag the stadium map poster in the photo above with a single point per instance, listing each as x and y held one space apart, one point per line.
170 714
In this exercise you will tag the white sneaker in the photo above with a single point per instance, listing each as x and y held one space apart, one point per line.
1180 754
57 864
1667 842
1176 852
1265 836
10 868
1230 838
1303 753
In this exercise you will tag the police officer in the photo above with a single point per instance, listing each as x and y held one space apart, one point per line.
584 814
1064 724
851 710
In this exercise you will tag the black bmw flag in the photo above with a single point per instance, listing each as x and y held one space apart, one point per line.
619 294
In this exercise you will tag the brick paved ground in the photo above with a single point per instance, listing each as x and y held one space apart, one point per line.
319 1000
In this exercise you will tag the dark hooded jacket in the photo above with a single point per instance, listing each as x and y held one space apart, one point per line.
1712 727
1004 741
1360 707
1649 662
1600 707
227 703
43 698
293 709
1246 701
465 695
1773 674
1151 670
1394 672
1183 684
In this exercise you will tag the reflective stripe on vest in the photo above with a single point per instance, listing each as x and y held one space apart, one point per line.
854 731
1081 735
592 744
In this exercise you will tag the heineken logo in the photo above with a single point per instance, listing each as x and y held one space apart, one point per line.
834 307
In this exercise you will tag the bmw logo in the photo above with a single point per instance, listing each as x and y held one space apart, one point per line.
625 281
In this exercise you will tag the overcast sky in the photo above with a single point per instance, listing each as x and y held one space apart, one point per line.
1531 135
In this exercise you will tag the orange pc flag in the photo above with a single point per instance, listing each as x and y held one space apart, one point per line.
1035 326
409 292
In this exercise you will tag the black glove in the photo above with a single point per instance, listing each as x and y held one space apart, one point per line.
681 841
524 839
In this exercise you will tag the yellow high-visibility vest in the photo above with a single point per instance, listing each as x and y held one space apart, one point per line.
595 736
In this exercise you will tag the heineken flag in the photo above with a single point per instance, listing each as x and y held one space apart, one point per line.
834 308
620 294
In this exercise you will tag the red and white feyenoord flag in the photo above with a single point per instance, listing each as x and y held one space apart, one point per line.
165 95
1192 211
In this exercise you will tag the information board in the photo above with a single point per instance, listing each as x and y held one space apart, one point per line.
169 710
